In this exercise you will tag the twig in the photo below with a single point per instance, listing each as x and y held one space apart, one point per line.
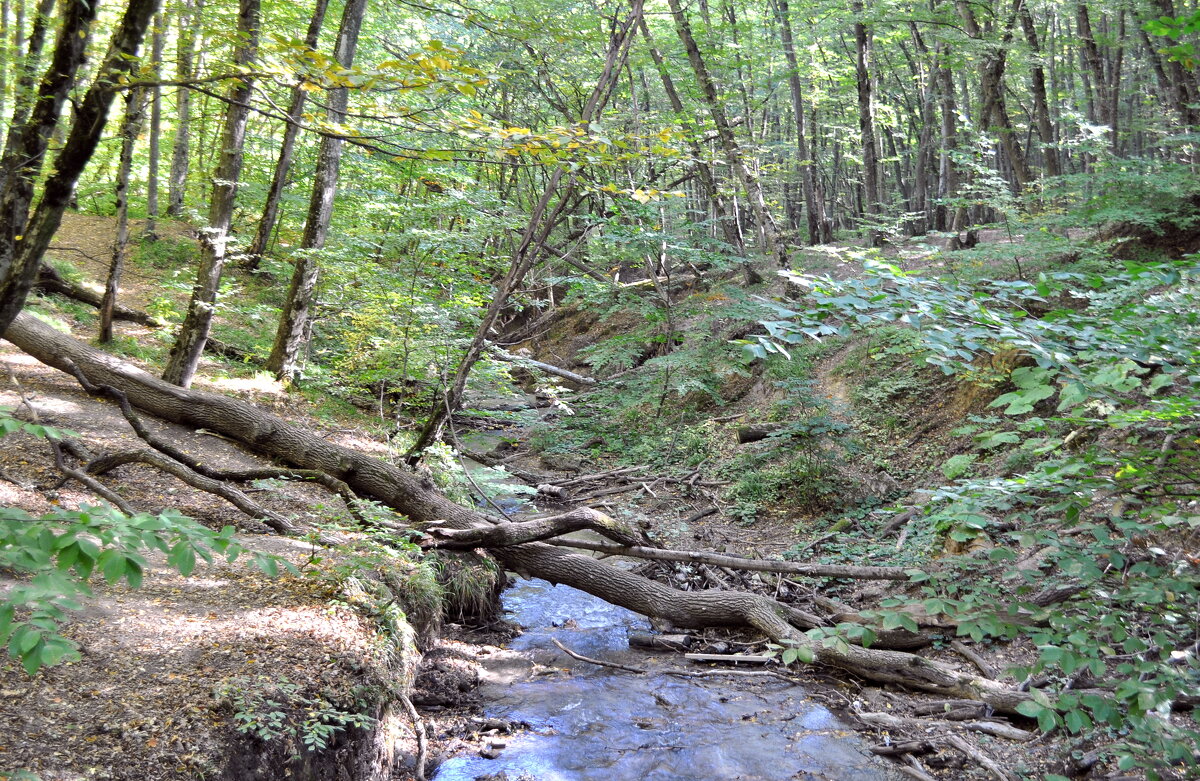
419 729
95 486
598 662
196 480
982 759
915 769
974 658
676 673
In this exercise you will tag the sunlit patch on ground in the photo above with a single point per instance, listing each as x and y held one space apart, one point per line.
261 384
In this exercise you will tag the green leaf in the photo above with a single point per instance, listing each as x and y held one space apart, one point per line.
957 466
112 565
1029 708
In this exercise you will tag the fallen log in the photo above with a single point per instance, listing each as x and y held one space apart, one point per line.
416 497
168 449
534 530
50 281
757 432
557 371
737 562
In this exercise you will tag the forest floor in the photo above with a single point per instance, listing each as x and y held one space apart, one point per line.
141 702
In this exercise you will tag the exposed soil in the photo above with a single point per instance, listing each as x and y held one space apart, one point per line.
155 693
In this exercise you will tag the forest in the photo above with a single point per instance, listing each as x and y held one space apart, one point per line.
465 390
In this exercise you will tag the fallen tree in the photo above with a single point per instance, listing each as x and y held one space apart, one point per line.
416 497
50 281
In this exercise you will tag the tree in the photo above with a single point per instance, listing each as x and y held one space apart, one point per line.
768 231
24 237
214 240
287 148
542 221
130 126
189 40
294 322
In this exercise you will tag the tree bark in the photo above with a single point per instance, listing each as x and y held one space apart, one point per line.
295 320
814 209
287 149
733 153
866 119
24 239
154 151
739 562
534 530
190 17
130 126
214 239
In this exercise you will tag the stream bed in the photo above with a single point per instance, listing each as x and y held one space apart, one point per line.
591 723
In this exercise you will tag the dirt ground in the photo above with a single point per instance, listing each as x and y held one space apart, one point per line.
145 700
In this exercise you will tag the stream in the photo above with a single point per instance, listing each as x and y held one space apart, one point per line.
591 723
584 722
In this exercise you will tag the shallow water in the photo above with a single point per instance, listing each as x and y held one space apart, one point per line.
589 723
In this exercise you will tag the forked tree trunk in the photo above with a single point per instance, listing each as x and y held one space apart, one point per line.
417 498
294 321
214 239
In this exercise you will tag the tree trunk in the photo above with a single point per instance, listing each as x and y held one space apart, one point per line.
294 322
533 240
948 217
708 178
24 239
287 149
155 140
733 153
134 106
6 57
189 342
1098 97
1041 106
189 39
26 73
814 209
866 119
993 113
